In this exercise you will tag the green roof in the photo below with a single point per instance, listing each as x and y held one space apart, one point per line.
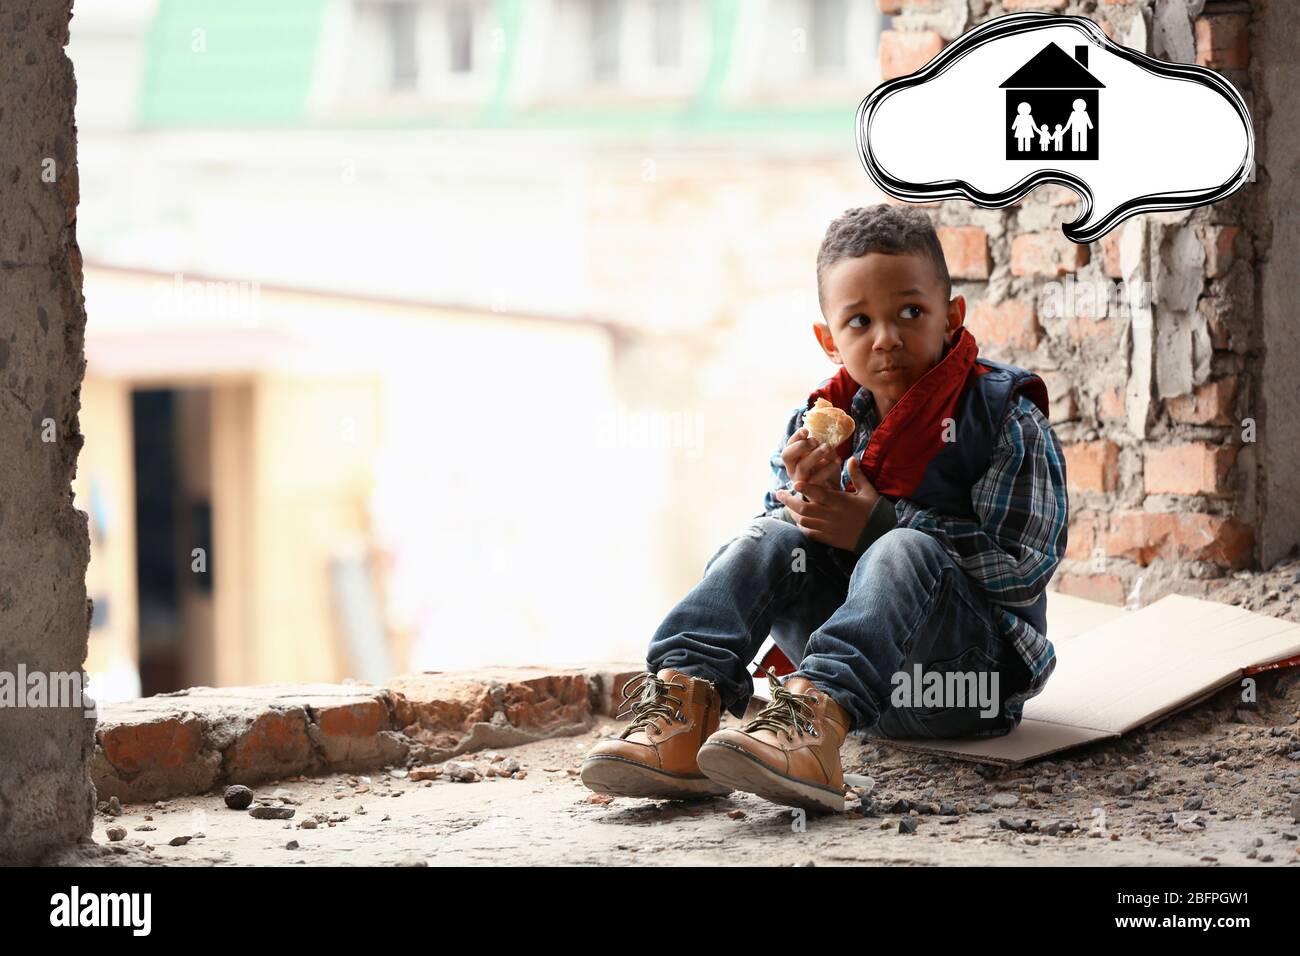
260 55
251 63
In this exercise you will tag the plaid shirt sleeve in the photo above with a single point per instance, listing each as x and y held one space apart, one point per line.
1020 537
780 477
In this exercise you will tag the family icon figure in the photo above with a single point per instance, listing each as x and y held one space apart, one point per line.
1024 128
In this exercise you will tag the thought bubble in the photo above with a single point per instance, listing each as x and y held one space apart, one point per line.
1036 98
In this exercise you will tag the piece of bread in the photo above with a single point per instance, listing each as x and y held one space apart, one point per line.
828 424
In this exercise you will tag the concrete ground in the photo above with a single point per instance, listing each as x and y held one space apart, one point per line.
1217 785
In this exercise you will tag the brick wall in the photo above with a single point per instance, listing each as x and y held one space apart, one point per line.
1159 418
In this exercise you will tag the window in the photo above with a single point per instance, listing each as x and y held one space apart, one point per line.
803 51
606 39
460 37
669 26
401 42
829 36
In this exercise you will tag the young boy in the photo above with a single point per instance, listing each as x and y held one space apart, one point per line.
927 552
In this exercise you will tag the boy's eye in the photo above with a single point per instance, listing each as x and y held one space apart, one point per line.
912 309
855 324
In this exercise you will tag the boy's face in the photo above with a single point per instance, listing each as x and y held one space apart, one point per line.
887 320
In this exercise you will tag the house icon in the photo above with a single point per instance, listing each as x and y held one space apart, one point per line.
1051 108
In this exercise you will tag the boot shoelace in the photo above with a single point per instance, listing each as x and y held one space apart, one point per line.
787 711
654 702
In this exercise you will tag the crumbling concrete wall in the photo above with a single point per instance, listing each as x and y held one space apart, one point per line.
1179 419
46 799
1275 76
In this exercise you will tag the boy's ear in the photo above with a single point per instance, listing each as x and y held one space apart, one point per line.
956 313
823 333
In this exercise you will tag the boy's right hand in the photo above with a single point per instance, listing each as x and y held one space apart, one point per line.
808 461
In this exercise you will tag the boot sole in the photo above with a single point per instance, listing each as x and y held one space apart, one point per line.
740 770
621 777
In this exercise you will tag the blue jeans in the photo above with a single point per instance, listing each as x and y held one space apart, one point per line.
850 625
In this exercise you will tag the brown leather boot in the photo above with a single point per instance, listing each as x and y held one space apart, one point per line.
654 756
789 753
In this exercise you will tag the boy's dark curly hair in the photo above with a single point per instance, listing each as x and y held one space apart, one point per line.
892 230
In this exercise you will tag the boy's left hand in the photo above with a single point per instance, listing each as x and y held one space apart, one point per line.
830 516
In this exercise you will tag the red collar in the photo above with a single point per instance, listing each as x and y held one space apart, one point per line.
913 431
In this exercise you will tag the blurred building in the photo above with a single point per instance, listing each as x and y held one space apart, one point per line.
430 334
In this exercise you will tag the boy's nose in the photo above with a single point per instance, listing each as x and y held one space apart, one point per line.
887 337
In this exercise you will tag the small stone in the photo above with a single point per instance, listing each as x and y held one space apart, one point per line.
309 824
291 845
178 841
114 808
146 827
115 833
1004 801
1120 784
461 772
264 811
1295 809
736 814
1193 802
907 825
1015 824
600 798
238 797
860 780
398 774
